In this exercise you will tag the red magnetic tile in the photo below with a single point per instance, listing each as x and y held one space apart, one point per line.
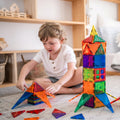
15 114
37 88
57 111
0 113
35 111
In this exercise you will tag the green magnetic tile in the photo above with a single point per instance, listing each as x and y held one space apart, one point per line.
100 87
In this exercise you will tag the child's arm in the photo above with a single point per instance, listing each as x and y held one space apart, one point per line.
68 75
21 84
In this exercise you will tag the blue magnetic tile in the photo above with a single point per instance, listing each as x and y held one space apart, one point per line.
22 98
104 99
79 116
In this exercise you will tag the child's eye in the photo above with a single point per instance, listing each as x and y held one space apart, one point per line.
51 43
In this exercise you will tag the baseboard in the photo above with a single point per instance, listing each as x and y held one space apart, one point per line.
112 73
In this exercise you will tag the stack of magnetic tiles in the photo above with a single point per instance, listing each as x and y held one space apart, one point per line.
33 99
94 49
94 90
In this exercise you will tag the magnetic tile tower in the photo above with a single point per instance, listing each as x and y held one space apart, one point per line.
94 86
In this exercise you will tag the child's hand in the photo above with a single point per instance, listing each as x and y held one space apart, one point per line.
53 88
21 85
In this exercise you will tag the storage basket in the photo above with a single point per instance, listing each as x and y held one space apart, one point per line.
2 71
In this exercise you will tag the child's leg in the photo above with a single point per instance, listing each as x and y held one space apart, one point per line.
76 79
65 90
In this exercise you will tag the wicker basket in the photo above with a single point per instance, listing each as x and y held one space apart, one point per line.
2 71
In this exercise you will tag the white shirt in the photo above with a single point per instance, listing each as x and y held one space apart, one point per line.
58 67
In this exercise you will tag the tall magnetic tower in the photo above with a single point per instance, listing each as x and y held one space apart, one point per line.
94 76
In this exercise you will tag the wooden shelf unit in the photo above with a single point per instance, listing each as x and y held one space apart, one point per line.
14 61
78 24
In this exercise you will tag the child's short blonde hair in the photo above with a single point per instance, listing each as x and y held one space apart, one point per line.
51 29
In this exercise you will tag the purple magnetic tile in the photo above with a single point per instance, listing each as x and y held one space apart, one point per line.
57 115
85 60
90 103
91 61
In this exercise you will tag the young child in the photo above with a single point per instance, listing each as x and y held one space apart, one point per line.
59 62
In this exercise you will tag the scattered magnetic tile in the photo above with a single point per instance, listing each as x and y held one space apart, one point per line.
15 114
35 111
33 118
79 116
58 113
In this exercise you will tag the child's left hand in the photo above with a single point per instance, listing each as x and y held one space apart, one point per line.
53 88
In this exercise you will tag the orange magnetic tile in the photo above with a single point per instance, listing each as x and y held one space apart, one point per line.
104 46
33 118
50 94
94 47
98 103
88 87
42 95
87 51
83 45
31 88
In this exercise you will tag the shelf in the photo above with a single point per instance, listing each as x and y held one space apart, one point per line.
114 1
18 51
38 21
13 84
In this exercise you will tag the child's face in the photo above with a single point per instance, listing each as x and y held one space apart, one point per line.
52 45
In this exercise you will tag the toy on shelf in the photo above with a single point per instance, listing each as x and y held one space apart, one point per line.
35 90
13 12
94 86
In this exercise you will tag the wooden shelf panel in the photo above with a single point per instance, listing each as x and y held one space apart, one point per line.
13 84
115 1
18 51
38 21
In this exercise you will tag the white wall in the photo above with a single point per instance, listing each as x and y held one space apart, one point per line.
24 36
103 8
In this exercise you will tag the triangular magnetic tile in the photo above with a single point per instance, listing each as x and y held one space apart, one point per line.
57 115
33 118
22 98
98 39
35 111
83 100
89 39
93 31
42 95
104 99
94 47
15 114
57 111
87 51
31 88
79 116
37 88
100 50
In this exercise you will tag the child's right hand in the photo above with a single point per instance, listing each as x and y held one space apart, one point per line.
21 85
